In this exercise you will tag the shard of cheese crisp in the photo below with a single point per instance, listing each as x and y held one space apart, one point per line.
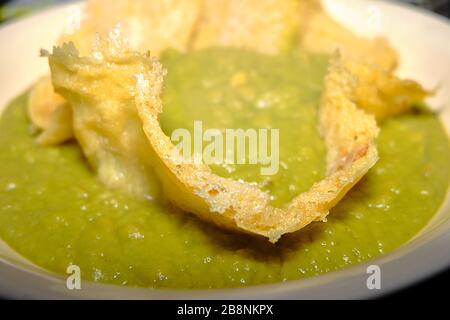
113 108
268 26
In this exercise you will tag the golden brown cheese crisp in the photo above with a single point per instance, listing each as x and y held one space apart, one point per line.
49 113
147 25
105 120
153 25
322 34
242 206
115 97
267 26
383 94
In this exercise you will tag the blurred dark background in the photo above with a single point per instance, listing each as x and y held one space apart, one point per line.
431 288
439 6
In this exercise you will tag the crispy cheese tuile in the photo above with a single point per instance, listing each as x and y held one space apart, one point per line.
381 93
241 206
153 25
267 26
126 94
320 33
146 25
105 121
49 113
115 98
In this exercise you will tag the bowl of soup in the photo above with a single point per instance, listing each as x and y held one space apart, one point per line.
77 221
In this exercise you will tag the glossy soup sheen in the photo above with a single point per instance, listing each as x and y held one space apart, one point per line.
55 213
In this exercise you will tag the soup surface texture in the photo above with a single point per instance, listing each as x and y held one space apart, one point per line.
54 212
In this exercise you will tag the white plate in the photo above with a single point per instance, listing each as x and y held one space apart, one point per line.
421 39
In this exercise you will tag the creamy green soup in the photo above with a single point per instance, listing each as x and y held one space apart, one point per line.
54 212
